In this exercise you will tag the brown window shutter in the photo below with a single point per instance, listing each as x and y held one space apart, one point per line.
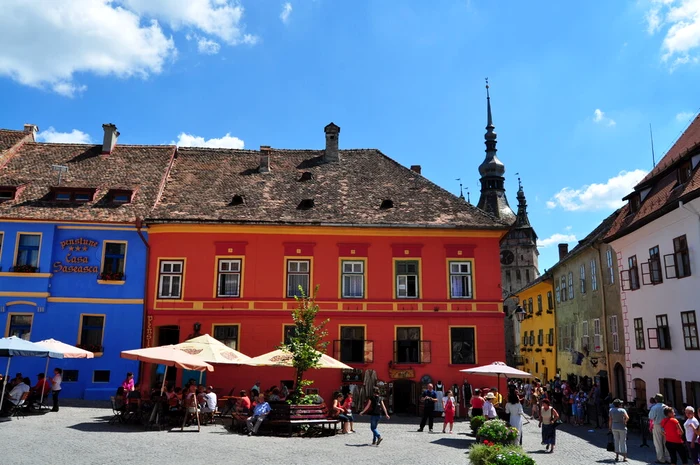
678 391
689 393
661 389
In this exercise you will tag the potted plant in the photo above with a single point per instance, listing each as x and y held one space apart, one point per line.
25 269
497 432
106 276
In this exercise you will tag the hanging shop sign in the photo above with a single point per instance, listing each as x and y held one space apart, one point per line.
76 261
404 373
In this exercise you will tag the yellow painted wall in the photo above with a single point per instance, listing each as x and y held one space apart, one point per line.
542 364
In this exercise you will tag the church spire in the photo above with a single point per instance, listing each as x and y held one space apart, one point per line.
490 133
522 219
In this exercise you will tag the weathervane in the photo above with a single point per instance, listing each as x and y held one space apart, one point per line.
461 195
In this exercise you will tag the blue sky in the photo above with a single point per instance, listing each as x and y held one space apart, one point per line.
574 86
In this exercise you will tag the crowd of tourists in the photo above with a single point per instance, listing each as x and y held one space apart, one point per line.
19 392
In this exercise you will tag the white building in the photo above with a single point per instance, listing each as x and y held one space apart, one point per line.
656 238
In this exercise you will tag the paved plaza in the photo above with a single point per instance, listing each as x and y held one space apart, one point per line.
82 436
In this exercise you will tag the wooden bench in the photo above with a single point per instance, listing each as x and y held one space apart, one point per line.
286 417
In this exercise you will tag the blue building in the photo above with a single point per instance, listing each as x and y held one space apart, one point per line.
73 252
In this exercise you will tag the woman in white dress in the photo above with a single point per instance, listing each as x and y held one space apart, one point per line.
515 409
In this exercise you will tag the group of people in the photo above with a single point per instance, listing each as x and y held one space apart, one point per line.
20 386
430 400
671 439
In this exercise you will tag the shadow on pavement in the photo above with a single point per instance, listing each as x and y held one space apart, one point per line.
456 443
105 427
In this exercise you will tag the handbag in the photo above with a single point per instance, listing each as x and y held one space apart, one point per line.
611 442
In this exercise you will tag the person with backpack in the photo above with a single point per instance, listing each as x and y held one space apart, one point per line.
375 405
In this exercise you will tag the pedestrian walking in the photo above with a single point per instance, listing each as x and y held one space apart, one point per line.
674 437
548 418
429 399
515 410
56 387
375 405
449 409
692 433
656 414
617 424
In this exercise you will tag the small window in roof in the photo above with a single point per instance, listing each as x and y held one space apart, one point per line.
82 197
306 204
62 196
306 176
120 196
7 194
237 200
635 203
387 203
685 172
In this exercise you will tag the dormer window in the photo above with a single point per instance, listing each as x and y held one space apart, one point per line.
73 195
306 176
7 193
635 203
685 171
306 204
120 196
386 204
237 200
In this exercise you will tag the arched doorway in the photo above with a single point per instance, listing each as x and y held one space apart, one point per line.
640 392
619 376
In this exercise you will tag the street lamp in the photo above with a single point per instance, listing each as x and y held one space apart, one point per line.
519 314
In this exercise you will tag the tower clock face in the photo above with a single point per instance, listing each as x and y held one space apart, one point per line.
507 257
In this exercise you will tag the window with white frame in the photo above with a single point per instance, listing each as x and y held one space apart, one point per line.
594 276
597 347
353 279
557 291
571 285
614 333
639 333
170 280
583 279
609 261
227 334
461 280
298 277
585 340
229 278
407 279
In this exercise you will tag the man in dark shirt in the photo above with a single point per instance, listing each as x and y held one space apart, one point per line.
429 399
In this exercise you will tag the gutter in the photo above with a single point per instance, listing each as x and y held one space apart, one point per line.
139 224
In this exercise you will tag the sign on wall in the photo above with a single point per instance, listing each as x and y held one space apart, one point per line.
77 260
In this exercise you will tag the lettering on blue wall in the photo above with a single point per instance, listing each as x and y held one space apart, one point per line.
76 263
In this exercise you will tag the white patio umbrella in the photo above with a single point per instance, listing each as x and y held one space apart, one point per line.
15 347
67 350
498 369
212 350
282 358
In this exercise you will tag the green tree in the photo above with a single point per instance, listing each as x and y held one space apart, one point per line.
307 343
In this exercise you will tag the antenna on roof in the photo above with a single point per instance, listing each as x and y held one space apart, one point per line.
461 194
653 156
60 169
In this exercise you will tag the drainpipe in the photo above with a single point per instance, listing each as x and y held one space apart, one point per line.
604 323
139 224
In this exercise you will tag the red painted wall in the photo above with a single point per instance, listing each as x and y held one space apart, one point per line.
262 310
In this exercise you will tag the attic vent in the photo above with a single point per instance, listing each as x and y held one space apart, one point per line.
237 200
306 204
306 176
387 203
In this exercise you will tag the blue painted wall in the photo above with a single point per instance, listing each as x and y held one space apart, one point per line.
57 301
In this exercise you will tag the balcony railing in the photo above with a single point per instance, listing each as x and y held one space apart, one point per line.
353 350
412 352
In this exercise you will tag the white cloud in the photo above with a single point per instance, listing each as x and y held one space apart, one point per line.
599 117
286 11
684 116
220 18
556 238
53 41
53 136
680 20
227 141
607 196
207 47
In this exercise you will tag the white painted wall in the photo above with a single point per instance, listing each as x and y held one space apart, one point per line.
671 297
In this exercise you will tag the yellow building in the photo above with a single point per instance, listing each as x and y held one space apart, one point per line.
536 337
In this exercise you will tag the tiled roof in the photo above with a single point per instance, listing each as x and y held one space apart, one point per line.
203 182
665 190
598 233
8 139
686 142
134 167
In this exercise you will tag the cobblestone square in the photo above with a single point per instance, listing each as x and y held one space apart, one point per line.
82 436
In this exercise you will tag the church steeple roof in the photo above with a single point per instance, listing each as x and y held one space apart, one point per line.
491 165
522 221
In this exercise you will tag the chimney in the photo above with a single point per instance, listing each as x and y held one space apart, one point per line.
110 139
563 250
265 151
416 169
31 129
331 152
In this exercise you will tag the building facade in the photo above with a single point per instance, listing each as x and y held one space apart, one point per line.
407 273
537 337
589 320
656 238
73 253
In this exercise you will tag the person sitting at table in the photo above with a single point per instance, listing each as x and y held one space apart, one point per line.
262 409
284 392
120 398
40 390
16 394
170 392
241 411
274 395
128 383
210 400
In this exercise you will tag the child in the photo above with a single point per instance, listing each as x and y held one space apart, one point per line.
449 408
347 406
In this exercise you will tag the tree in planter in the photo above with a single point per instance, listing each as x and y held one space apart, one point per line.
307 343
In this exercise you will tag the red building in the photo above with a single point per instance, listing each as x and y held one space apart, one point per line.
408 274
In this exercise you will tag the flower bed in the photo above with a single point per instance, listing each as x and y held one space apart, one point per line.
476 423
497 432
495 454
